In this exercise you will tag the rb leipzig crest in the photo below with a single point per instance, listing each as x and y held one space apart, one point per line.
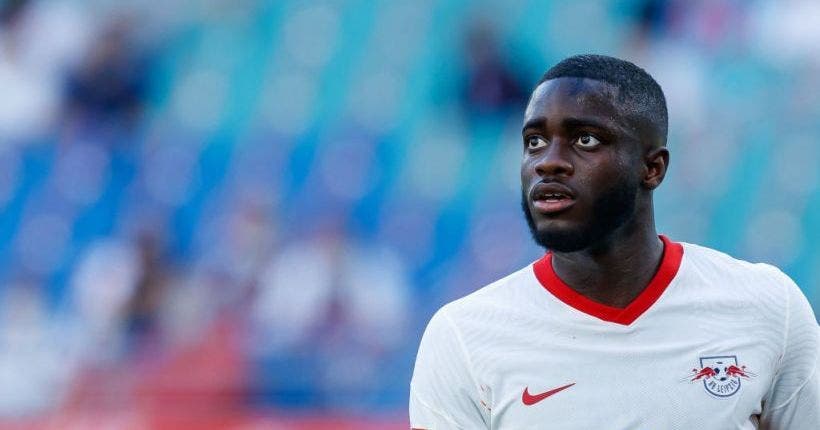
721 375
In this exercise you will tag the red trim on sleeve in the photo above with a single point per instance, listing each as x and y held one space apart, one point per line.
670 263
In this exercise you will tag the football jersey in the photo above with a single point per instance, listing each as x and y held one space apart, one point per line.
711 343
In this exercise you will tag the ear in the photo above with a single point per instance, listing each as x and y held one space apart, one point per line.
656 162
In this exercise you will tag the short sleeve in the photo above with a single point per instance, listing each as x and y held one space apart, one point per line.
794 400
443 392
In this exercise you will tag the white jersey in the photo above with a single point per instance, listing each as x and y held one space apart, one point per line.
711 343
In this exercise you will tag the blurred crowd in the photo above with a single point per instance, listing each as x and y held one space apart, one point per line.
251 205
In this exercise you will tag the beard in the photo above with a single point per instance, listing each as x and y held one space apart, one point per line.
610 211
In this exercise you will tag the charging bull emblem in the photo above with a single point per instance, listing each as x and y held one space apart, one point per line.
721 375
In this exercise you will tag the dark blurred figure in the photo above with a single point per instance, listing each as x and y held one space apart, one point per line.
491 85
143 310
107 92
652 17
10 11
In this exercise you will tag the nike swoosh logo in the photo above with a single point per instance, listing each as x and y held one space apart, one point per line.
530 399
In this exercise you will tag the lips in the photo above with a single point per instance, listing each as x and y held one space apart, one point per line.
551 197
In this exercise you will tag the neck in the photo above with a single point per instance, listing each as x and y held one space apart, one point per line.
617 269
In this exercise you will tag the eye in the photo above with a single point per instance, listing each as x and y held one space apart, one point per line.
535 142
587 141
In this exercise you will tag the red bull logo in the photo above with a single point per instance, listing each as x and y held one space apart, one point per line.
721 375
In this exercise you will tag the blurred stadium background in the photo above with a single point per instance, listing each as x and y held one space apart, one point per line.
241 214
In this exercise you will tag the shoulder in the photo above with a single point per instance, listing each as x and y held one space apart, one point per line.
712 264
756 290
487 312
458 324
507 293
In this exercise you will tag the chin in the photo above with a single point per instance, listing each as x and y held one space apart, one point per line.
583 227
563 239
559 235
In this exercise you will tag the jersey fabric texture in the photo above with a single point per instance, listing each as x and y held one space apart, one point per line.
712 343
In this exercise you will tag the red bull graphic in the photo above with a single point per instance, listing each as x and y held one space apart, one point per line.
705 373
721 375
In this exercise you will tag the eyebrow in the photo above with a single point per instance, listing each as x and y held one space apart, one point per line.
585 122
541 122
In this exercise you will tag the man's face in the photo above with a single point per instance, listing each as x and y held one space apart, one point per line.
580 173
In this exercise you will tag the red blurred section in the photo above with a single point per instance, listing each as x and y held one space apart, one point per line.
201 386
156 420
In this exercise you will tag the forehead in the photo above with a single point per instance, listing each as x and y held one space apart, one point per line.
576 97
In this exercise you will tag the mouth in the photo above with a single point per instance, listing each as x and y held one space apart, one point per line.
551 198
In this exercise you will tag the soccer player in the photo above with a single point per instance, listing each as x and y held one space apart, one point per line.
615 327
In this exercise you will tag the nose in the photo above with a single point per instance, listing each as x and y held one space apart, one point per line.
554 161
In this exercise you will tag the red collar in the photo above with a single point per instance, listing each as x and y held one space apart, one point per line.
670 263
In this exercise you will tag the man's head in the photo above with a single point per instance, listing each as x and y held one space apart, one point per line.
594 149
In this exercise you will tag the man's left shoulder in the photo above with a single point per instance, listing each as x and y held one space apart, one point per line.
734 284
717 266
736 293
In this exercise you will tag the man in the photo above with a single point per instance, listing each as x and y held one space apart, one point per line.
615 327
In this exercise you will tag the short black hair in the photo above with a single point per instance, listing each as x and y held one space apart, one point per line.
639 94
